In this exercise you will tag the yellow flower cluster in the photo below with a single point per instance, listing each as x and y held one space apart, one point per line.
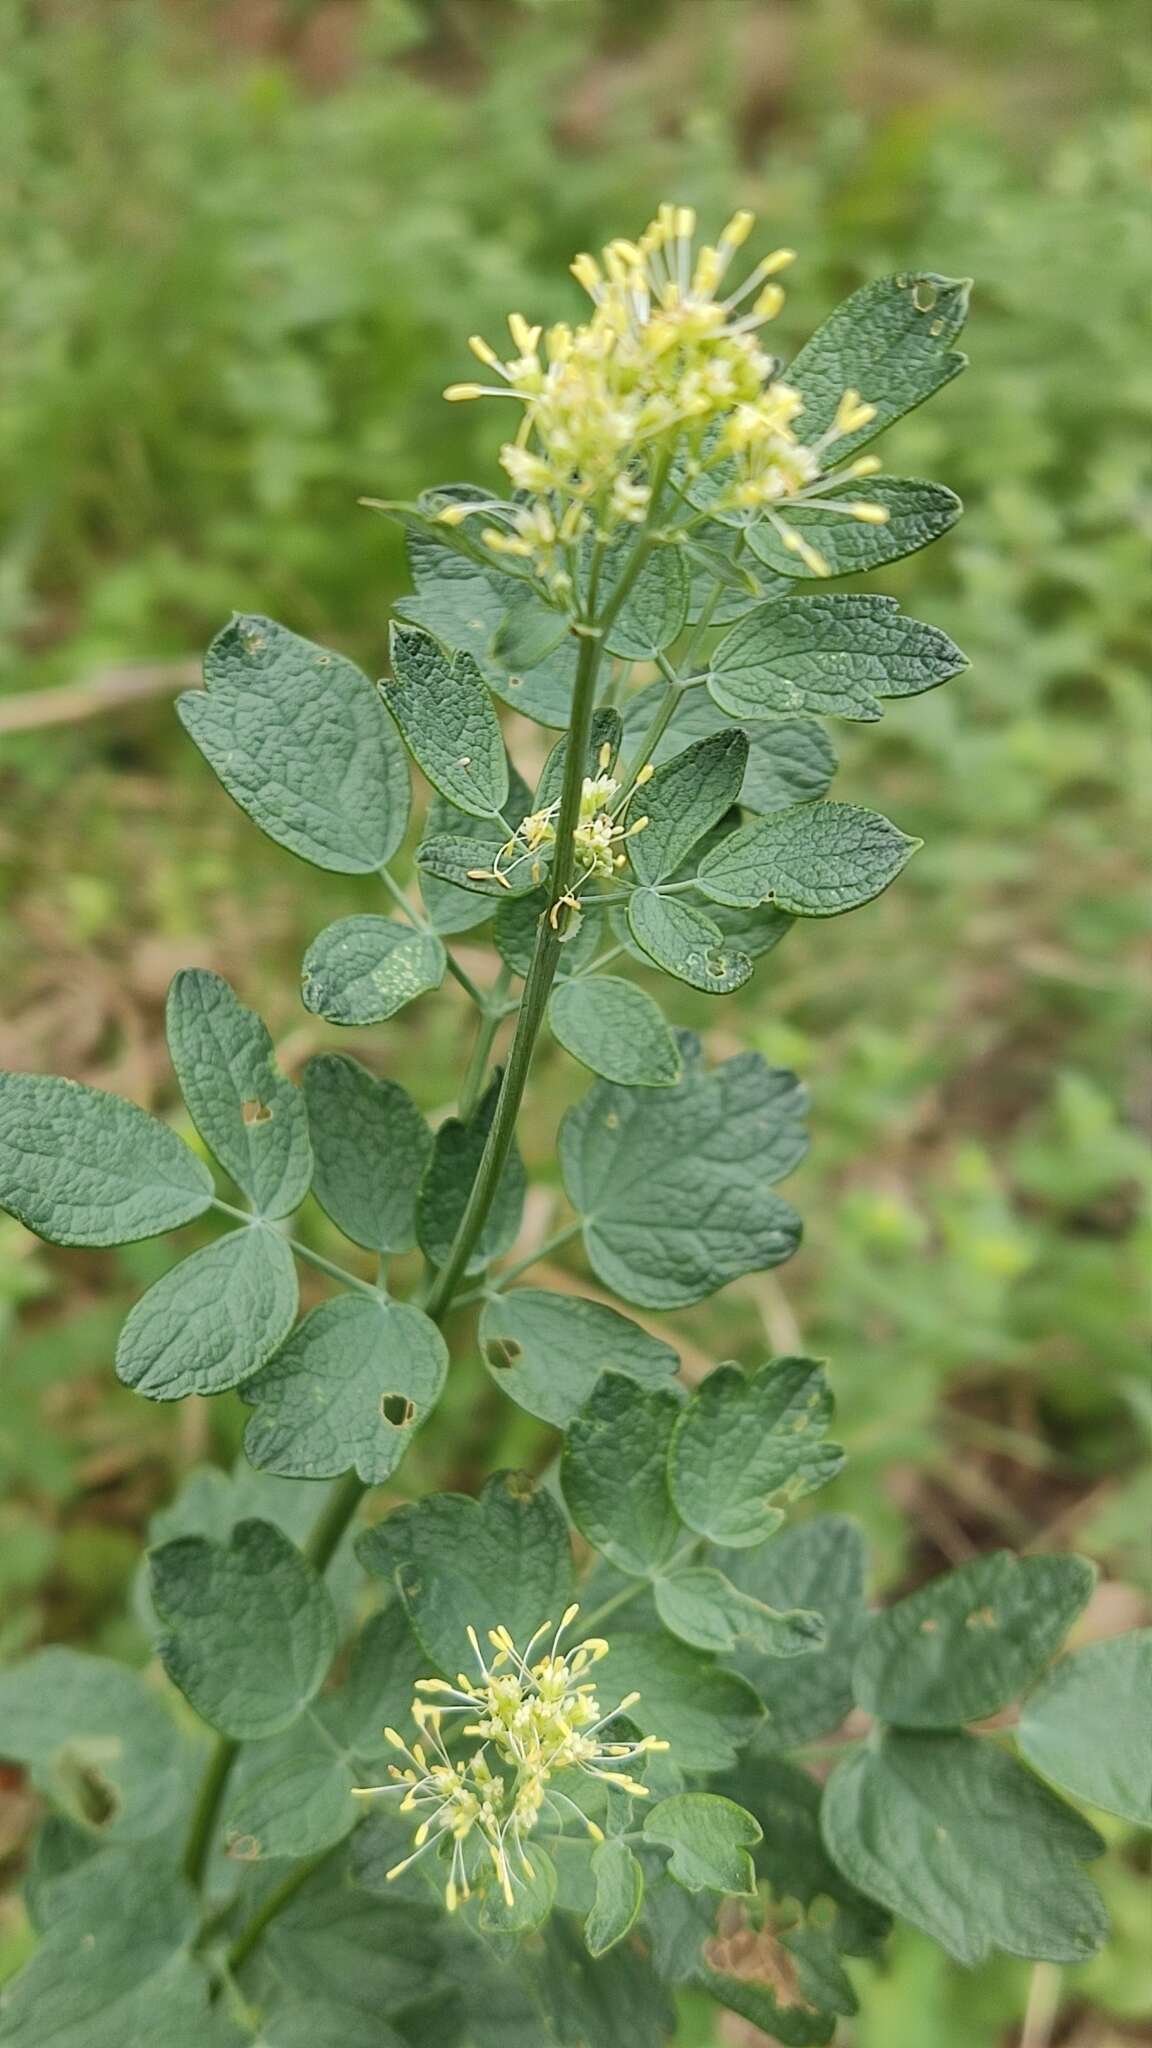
531 1720
665 371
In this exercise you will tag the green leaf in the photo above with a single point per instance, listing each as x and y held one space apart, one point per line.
655 611
746 1445
301 741
791 1857
249 1627
347 1948
816 1564
674 1189
98 1743
701 1606
213 1320
709 1838
522 647
789 1982
815 861
590 2002
349 1389
616 1029
834 655
705 1713
619 1895
1088 1727
502 1560
790 760
517 923
954 1835
309 2025
533 1894
614 1473
548 1351
683 800
890 342
686 943
443 709
377 1693
81 1167
456 1153
466 864
458 906
372 1149
971 1641
114 1966
296 1805
918 513
253 1118
361 970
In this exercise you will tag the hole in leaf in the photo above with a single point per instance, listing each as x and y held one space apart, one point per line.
502 1352
256 1112
397 1409
244 1848
83 1787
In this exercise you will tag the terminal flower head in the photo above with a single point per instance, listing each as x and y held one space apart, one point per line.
599 834
530 1720
667 378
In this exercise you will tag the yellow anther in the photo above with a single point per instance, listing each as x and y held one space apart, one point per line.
738 229
646 774
455 392
484 350
867 514
852 413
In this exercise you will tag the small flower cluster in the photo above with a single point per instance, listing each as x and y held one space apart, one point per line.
664 368
598 837
531 1721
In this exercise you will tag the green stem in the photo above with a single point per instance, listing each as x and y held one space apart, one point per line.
207 1810
422 924
552 1244
472 1086
588 1622
275 1903
306 1253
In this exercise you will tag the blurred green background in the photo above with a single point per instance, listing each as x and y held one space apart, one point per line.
241 244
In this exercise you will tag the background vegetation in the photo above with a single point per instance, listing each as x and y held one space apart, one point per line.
241 242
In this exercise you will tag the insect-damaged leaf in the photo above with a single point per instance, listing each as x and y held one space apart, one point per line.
814 861
960 1839
250 1114
747 1445
502 1560
300 739
249 1627
445 713
361 970
213 1320
78 1166
98 1742
372 1148
686 943
970 1641
348 1389
549 1350
674 1188
709 1837
616 1029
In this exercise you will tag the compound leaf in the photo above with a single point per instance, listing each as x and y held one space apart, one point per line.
815 1564
674 1189
619 1895
456 1153
445 713
833 655
249 1627
918 513
548 1351
815 860
250 1114
701 1606
891 342
683 800
617 1030
614 1473
971 1641
709 1837
361 970
502 1560
1088 1727
78 1166
350 1387
953 1834
300 739
747 1444
372 1148
213 1320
